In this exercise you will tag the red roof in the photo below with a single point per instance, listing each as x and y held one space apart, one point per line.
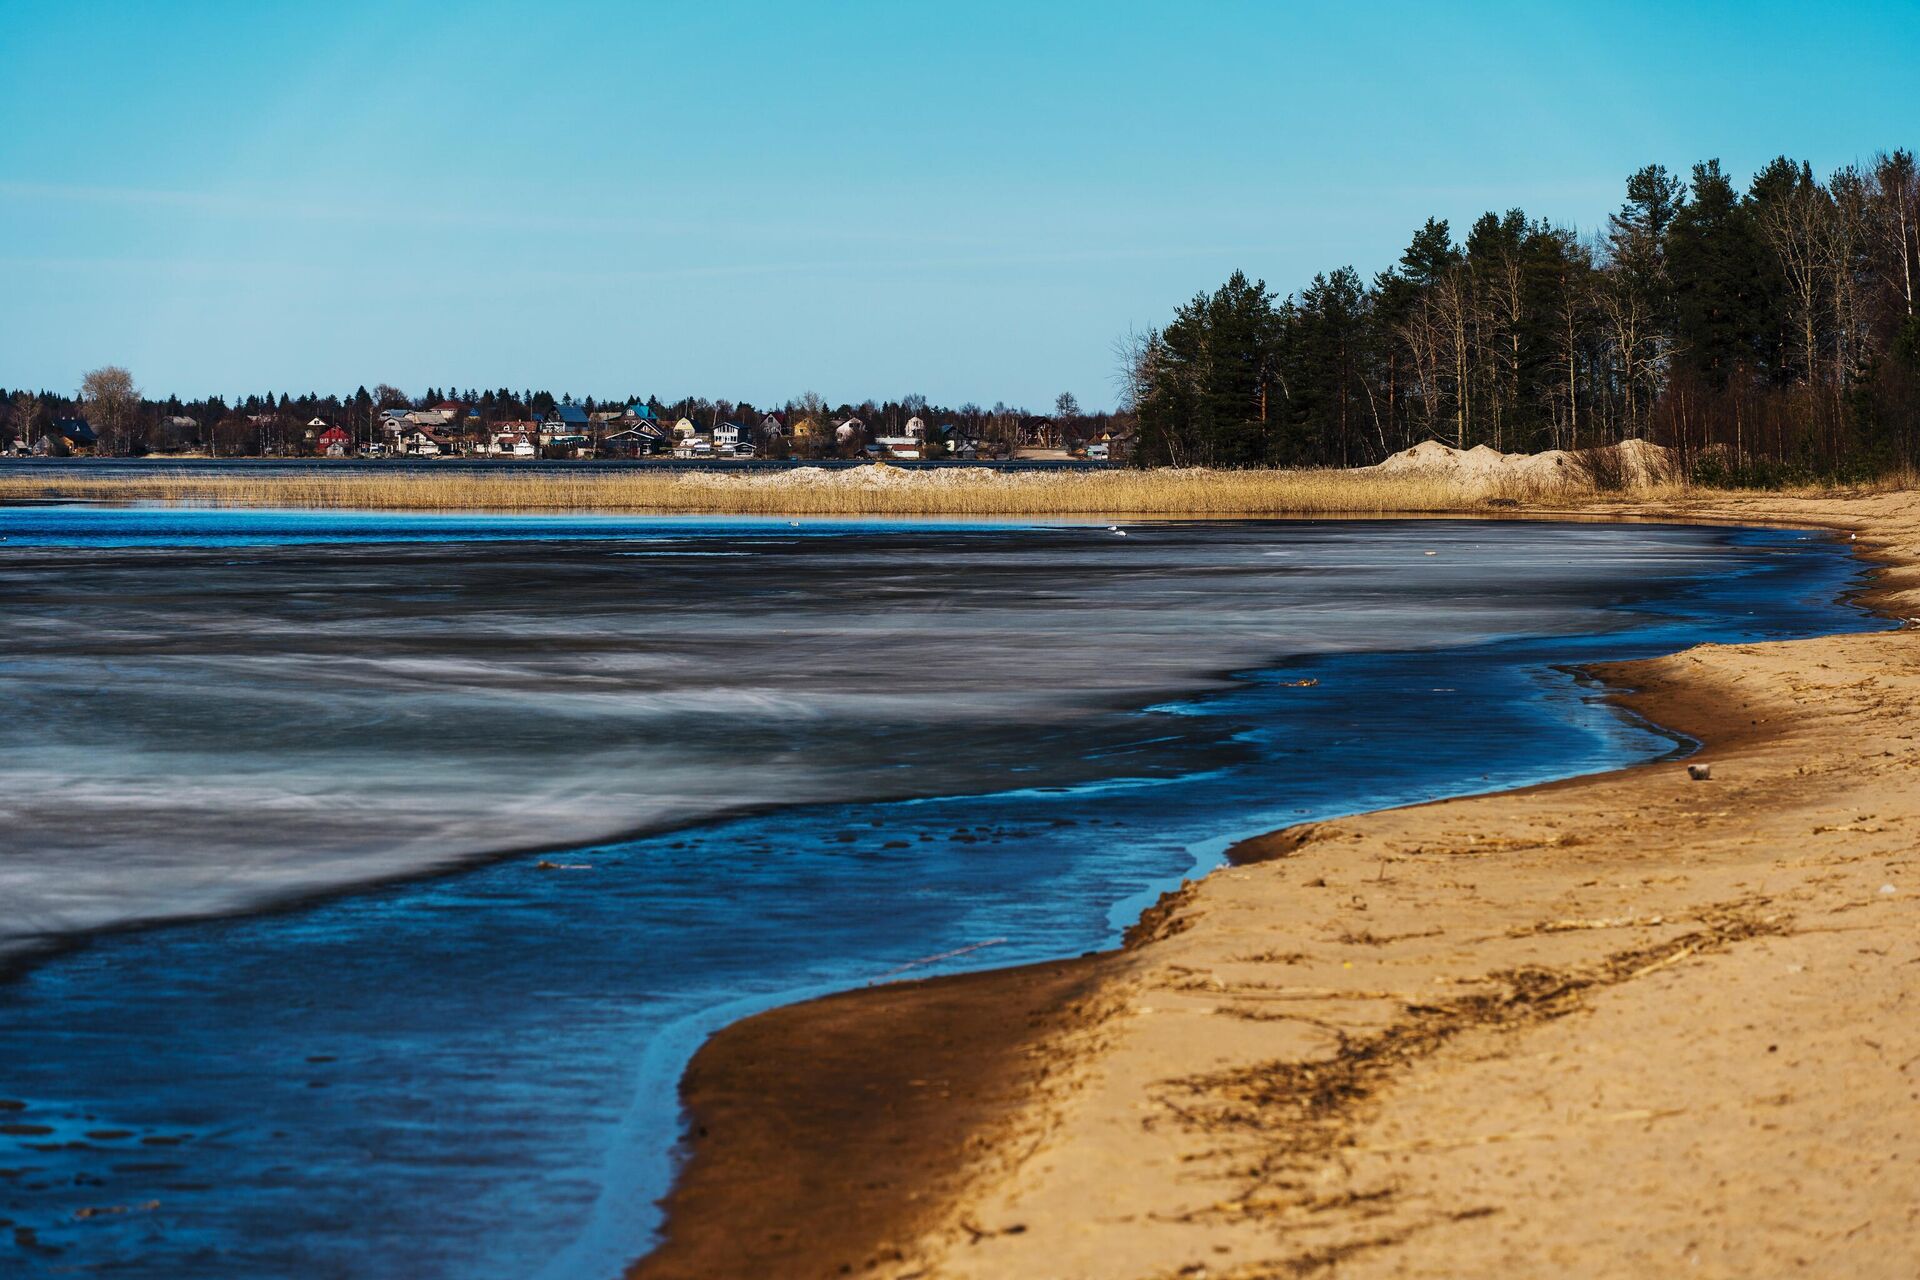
334 435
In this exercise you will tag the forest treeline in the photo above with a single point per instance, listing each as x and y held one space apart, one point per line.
127 422
1764 334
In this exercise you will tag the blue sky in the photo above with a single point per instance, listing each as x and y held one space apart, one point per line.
754 200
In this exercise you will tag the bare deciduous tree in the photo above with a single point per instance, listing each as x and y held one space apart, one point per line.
1130 367
1845 243
24 418
1894 200
112 401
1795 225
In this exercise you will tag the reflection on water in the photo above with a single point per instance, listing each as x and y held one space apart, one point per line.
473 1075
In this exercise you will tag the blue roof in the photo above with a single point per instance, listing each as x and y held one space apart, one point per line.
78 430
568 413
639 410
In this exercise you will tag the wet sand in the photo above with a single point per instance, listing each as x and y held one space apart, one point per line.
884 1095
1626 1025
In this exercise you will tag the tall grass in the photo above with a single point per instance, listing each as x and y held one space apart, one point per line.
872 490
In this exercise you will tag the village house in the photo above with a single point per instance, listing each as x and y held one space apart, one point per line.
67 435
568 430
567 419
515 440
898 448
642 435
688 442
419 443
632 442
334 442
393 421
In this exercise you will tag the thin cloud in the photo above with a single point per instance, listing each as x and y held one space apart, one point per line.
371 211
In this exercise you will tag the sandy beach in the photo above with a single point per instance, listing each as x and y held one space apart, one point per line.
1633 1024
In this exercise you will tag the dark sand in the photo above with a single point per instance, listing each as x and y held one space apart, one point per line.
827 1135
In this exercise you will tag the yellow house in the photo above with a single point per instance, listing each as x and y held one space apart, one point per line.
804 428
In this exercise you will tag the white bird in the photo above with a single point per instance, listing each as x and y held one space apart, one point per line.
1116 529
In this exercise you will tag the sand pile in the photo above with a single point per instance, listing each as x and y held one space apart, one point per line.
1631 464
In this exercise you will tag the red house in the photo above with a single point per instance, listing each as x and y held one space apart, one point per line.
334 443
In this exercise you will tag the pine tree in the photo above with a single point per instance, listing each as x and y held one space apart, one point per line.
1717 265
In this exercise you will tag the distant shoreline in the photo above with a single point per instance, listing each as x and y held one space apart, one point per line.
1429 479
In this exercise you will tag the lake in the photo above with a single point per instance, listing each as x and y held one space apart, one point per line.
368 879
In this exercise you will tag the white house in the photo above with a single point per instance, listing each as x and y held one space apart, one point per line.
514 440
903 447
917 427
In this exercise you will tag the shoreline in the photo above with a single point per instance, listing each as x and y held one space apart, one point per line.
1182 1112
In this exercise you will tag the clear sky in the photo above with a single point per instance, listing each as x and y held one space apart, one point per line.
864 199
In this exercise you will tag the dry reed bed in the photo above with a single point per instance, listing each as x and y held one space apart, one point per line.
871 490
